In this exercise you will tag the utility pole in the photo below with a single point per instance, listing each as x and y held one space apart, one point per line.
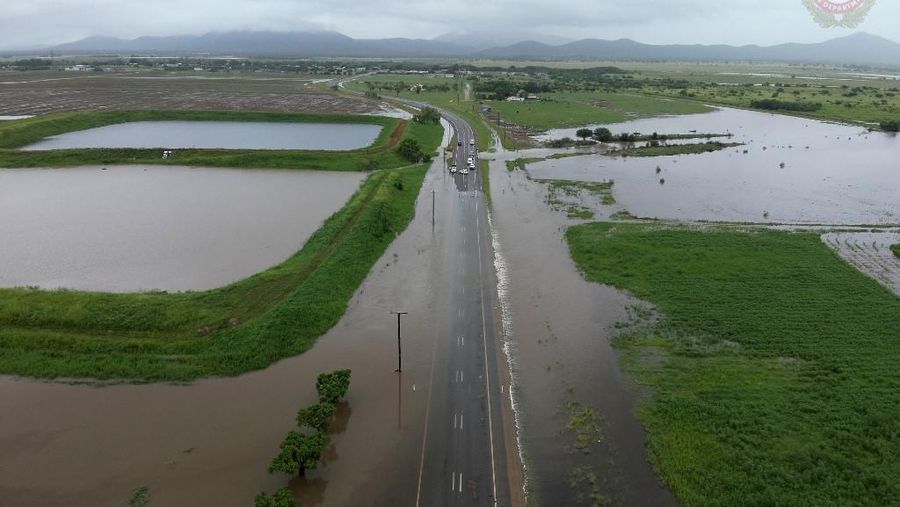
399 350
432 208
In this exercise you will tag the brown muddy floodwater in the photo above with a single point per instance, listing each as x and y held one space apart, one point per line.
558 329
136 228
210 443
832 174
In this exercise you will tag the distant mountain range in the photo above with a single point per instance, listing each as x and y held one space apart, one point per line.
329 44
858 49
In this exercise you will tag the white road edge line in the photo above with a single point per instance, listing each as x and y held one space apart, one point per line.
486 374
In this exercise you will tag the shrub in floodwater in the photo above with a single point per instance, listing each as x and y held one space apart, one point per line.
890 126
299 452
896 249
281 498
333 386
139 497
316 416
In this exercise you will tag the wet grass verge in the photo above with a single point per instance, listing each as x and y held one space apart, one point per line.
896 250
226 331
381 154
772 363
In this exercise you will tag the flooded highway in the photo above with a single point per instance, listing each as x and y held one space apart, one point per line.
560 333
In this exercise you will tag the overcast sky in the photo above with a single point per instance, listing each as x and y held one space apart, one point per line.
34 23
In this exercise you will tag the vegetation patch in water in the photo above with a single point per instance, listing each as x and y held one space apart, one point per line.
673 149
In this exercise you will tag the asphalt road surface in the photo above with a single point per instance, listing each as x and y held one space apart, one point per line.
463 455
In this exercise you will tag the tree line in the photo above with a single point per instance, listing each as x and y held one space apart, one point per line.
302 450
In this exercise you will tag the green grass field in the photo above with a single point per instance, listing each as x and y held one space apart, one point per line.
558 110
773 366
243 326
863 103
380 154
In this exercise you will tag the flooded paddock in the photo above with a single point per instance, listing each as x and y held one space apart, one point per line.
789 170
136 228
869 252
231 135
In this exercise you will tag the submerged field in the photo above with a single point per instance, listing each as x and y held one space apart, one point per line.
772 365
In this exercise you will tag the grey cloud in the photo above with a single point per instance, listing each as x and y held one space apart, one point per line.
33 23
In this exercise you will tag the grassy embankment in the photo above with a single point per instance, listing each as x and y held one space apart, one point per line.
17 134
226 331
577 109
772 367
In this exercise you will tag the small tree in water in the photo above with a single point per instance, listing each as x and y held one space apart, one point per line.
333 386
299 453
316 417
584 133
603 134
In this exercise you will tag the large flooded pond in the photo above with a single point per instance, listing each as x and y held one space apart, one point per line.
169 228
793 170
218 134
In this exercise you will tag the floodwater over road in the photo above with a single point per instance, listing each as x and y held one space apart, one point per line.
831 173
559 334
134 228
218 134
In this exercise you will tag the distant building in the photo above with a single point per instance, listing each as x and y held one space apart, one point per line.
79 68
515 98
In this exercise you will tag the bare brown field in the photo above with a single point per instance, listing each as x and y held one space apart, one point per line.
34 93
